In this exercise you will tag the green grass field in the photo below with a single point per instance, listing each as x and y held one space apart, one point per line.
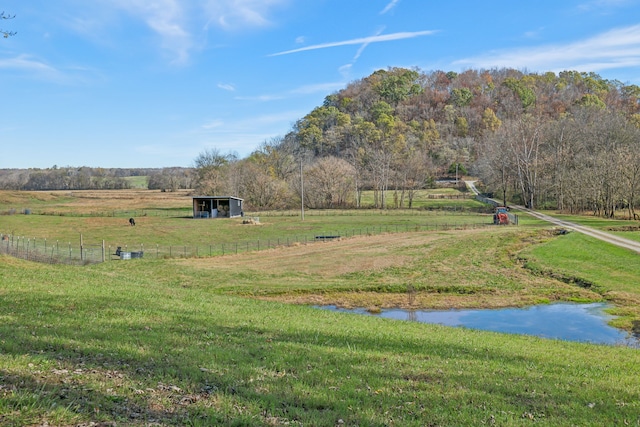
137 181
232 340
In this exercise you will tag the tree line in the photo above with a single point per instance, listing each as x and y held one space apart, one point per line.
94 178
569 141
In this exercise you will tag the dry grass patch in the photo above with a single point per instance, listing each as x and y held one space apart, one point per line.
453 269
324 259
89 201
20 197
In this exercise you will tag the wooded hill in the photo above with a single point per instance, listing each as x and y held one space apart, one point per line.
570 141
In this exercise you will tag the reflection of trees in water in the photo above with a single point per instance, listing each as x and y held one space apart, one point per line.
411 294
635 329
411 315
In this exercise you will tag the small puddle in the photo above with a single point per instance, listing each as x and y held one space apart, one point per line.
561 321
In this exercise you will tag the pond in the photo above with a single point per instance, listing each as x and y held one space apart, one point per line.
562 321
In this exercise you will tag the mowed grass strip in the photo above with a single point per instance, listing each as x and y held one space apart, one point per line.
450 269
133 344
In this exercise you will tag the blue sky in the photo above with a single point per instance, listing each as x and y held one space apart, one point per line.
153 83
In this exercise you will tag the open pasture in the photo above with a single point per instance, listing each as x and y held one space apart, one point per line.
230 340
95 202
164 225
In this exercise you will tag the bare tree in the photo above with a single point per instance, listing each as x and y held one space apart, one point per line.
260 189
523 138
5 33
329 183
210 165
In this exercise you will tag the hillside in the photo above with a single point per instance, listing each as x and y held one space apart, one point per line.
569 141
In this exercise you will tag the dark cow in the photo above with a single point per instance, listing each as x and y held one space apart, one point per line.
132 221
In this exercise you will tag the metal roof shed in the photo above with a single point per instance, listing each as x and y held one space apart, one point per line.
217 207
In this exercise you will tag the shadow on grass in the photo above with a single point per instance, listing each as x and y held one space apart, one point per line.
237 362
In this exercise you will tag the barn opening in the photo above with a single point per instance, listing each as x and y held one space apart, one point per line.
217 207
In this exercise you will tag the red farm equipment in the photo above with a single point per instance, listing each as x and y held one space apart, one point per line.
501 216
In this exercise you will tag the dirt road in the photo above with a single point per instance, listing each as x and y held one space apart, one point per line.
607 237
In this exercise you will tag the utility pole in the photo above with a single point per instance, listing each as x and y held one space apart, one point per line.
301 191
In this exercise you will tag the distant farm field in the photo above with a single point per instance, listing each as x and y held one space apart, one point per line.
231 340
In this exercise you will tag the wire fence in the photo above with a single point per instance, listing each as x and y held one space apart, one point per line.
226 248
186 212
41 250
513 218
56 252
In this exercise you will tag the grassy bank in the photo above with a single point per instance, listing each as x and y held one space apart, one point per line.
120 344
591 264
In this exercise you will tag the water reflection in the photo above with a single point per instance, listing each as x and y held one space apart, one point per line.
563 321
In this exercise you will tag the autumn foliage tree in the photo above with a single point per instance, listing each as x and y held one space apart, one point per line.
568 140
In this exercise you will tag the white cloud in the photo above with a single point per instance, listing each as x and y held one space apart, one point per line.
533 34
260 98
233 14
228 87
363 40
167 19
614 49
244 135
392 4
317 88
344 69
172 21
277 118
302 90
604 4
26 65
365 44
213 124
24 62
